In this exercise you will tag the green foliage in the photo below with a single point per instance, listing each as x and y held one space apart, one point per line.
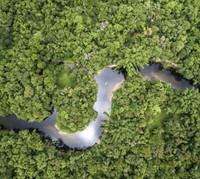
66 78
37 37
74 102
153 131
140 142
159 119
25 155
154 128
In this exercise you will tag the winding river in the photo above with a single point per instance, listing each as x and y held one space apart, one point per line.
108 81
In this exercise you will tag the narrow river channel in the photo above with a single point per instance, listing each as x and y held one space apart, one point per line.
154 71
108 81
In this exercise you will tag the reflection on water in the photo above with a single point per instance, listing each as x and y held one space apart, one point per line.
155 71
108 81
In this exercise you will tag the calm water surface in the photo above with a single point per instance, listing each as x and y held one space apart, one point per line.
155 71
108 81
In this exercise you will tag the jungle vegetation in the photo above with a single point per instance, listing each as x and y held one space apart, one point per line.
153 130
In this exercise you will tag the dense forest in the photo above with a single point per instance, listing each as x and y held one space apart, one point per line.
153 131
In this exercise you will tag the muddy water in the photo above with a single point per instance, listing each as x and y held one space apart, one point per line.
108 81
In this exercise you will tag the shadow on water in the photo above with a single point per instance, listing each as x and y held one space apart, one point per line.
156 71
108 81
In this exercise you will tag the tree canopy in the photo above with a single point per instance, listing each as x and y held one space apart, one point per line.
153 130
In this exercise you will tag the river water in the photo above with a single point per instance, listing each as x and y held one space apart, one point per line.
108 81
154 71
